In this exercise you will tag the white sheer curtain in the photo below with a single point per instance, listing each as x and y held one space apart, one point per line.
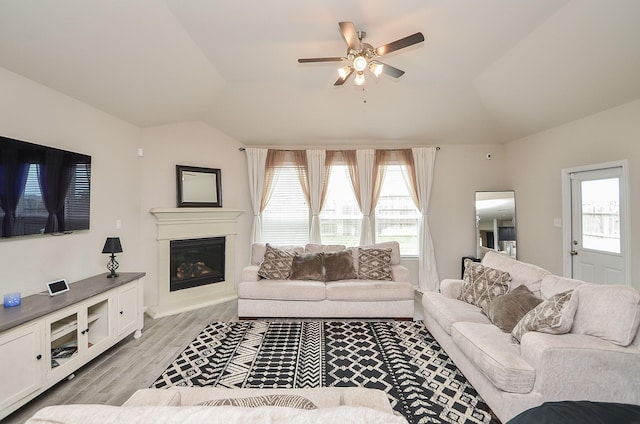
256 161
316 173
424 159
366 160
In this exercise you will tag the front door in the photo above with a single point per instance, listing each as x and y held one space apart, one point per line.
598 223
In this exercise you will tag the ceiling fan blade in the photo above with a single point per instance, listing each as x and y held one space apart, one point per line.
400 44
341 80
321 59
390 70
350 35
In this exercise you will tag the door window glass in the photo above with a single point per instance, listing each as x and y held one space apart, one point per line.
601 215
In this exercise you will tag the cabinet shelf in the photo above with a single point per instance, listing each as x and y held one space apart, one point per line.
63 327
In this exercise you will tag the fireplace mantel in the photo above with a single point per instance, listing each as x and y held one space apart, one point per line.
192 223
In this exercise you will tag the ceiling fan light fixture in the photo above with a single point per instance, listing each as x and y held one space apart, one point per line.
376 68
344 72
360 63
360 80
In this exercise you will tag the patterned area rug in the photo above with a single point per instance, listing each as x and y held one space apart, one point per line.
399 357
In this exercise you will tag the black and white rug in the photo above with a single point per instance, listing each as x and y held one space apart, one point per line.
399 357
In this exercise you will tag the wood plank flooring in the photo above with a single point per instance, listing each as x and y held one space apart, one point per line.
133 364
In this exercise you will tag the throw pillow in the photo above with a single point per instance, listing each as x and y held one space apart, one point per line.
482 284
286 401
553 316
306 266
374 264
276 264
506 311
339 266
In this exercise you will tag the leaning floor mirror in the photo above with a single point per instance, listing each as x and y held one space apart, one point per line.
496 222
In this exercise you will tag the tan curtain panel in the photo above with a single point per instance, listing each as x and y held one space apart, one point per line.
349 156
275 159
379 171
405 157
299 159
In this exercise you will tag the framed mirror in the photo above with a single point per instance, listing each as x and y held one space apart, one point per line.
496 222
198 187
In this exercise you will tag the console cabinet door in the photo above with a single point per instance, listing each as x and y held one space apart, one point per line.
21 359
127 309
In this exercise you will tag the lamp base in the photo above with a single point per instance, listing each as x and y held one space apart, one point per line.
112 275
112 266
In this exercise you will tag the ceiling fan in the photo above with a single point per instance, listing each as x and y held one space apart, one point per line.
362 55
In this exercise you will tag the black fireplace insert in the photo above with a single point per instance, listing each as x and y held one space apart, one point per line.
196 262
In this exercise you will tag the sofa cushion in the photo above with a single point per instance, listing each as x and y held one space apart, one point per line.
374 263
276 264
553 284
258 249
505 311
322 248
482 284
611 312
307 266
553 316
339 266
369 290
492 353
446 311
521 272
282 290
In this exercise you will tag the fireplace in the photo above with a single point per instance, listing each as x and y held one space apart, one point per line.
196 262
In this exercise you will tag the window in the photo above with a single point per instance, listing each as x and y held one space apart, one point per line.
396 215
601 215
285 220
340 219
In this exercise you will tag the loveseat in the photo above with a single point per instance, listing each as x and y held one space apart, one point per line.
195 405
332 282
585 346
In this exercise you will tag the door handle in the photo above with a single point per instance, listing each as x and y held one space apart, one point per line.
573 253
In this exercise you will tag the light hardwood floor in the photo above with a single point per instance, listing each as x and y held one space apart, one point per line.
133 364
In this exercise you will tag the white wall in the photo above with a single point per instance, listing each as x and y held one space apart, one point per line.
533 164
192 144
35 113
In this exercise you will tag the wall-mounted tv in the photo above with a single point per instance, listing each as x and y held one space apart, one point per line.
43 190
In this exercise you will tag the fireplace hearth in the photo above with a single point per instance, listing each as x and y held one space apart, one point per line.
196 262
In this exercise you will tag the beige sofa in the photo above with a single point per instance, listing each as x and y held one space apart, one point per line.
598 360
352 298
179 405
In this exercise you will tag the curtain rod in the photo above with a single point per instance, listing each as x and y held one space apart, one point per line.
242 149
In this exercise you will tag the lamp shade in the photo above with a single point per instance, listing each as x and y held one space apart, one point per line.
112 245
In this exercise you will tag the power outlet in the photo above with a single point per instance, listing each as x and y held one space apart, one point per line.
118 224
557 222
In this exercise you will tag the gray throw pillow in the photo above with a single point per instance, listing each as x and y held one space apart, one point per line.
286 401
482 284
306 266
374 264
507 310
276 264
339 266
553 316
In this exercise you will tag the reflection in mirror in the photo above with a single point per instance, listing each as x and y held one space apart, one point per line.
496 222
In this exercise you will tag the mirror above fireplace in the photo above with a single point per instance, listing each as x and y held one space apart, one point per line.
198 187
496 222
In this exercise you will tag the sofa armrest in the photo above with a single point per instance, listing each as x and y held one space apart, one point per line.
578 367
451 288
399 273
250 273
154 397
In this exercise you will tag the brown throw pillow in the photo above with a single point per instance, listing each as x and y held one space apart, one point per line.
339 266
482 284
276 264
505 311
374 264
286 401
306 266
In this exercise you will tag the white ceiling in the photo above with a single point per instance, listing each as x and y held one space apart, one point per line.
489 71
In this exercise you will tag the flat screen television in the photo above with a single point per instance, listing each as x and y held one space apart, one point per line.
43 190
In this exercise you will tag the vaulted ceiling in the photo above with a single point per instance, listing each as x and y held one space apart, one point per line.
489 71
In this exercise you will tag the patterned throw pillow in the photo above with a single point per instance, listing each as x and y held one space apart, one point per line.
374 264
276 264
286 401
553 316
482 284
